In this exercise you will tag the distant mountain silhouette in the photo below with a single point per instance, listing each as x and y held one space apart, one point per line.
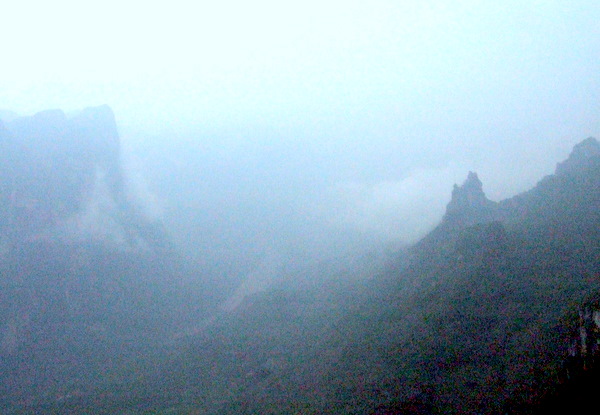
583 156
88 284
62 178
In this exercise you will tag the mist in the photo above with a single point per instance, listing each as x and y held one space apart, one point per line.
418 75
314 128
245 203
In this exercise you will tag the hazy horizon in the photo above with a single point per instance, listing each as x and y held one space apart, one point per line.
373 110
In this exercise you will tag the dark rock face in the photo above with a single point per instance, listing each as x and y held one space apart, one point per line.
469 205
579 377
584 155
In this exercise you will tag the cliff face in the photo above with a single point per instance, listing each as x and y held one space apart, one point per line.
81 269
62 179
577 388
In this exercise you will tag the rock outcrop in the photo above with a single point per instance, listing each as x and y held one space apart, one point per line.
62 178
469 205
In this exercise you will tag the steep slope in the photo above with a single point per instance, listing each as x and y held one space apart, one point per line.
476 321
493 295
475 318
63 180
487 334
88 284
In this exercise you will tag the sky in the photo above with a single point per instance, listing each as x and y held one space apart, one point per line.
391 102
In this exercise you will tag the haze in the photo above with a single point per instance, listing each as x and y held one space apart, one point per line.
357 115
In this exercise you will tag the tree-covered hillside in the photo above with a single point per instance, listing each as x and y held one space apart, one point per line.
480 316
477 320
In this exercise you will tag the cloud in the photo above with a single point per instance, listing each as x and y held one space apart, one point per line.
396 209
139 192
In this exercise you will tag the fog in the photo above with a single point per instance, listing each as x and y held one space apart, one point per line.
313 127
237 207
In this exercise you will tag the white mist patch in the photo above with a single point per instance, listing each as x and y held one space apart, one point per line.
396 209
260 279
98 219
138 191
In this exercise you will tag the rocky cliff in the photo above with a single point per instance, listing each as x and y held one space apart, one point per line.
62 179
469 204
84 275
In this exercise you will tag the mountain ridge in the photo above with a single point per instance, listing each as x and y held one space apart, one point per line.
446 330
474 318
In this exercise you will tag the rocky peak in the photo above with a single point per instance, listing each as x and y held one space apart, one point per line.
469 205
581 157
468 196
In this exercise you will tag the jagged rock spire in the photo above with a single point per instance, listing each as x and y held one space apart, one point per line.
468 196
469 205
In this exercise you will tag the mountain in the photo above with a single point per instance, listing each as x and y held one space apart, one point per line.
62 178
491 312
88 282
477 317
468 205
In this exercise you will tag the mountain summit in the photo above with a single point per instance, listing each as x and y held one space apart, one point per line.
469 204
